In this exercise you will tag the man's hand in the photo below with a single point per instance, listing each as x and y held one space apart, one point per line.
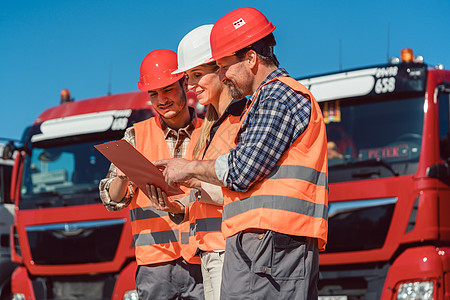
180 170
175 170
159 199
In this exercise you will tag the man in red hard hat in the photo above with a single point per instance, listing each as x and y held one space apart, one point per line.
167 265
275 179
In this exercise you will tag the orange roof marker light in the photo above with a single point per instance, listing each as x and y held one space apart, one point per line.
65 96
407 55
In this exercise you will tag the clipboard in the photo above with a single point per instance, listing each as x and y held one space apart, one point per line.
136 166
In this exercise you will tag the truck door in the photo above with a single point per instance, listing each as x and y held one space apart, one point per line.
6 221
442 171
444 121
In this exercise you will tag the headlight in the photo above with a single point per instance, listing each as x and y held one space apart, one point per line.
18 296
418 290
130 295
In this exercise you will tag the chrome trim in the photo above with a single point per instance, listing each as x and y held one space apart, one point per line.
73 227
345 206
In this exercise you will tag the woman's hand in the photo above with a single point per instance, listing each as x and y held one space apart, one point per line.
192 183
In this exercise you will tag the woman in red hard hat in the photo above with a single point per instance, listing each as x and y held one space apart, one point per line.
275 178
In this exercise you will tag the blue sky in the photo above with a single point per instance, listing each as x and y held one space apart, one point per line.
46 46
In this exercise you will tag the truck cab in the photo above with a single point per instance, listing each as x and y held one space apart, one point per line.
389 192
66 244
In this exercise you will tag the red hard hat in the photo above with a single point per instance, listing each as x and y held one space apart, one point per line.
238 29
157 68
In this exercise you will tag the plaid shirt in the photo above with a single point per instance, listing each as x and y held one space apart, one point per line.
177 142
277 118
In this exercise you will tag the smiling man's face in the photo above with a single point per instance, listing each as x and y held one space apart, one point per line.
236 75
169 101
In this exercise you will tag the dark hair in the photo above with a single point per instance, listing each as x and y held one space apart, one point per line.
264 50
181 81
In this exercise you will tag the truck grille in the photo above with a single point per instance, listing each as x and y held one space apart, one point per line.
352 282
93 287
75 243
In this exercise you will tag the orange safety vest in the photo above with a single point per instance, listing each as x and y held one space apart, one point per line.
293 198
156 238
206 219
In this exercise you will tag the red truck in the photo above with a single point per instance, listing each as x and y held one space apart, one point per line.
67 245
389 176
6 221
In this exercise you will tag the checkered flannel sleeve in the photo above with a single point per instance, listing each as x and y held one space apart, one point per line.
278 117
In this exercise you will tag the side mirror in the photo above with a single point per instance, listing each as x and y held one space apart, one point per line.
440 171
8 150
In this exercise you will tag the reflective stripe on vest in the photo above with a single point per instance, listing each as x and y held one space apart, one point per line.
294 205
148 212
184 238
157 239
300 172
153 238
293 198
209 224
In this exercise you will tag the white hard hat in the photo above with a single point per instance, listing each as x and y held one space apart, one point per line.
194 49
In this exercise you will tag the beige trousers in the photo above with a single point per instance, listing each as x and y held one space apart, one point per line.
212 263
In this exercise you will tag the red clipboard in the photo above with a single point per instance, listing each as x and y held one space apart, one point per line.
136 166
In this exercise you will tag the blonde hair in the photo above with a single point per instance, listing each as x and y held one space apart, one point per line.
210 117
205 132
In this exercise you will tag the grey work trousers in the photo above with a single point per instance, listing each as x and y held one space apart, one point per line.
171 280
262 264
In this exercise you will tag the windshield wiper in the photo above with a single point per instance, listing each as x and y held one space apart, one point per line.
78 189
40 195
365 163
43 199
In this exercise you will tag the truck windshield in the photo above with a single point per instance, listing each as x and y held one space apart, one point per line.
62 175
373 139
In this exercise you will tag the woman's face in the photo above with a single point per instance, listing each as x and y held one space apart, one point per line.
204 81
